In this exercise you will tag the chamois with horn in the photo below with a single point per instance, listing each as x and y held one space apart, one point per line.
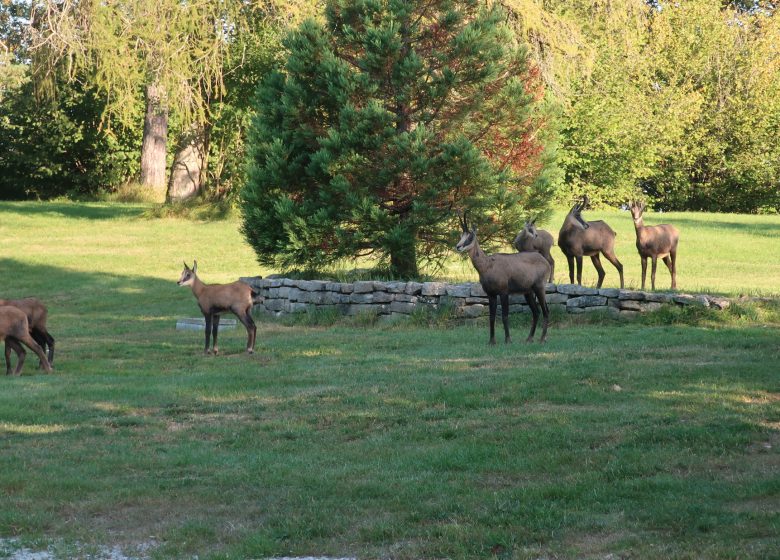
215 299
15 330
37 315
579 238
530 239
502 274
655 241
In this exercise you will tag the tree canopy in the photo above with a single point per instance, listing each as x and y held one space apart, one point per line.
383 123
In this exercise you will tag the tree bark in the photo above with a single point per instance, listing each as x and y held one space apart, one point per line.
189 165
153 148
403 258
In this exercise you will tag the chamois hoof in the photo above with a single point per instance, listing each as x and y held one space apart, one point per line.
507 340
250 351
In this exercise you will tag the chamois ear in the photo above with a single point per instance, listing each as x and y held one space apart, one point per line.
194 265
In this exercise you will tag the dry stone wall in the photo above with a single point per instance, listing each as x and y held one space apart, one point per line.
398 299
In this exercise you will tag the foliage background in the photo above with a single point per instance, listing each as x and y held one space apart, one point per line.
675 100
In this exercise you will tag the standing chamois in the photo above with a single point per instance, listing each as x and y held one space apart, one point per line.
37 314
579 238
540 241
502 274
15 329
215 299
655 241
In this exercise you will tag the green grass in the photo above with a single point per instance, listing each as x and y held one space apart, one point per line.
656 438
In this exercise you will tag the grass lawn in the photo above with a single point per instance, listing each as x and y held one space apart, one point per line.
657 438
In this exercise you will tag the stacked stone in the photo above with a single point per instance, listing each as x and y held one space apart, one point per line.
396 299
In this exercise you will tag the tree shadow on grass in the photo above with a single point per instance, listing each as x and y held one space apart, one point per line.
83 211
90 310
717 223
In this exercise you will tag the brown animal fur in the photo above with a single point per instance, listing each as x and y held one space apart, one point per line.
655 241
579 238
37 315
502 274
533 240
15 329
216 299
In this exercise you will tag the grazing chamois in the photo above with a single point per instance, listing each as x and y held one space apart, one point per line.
15 329
37 314
579 238
540 241
502 274
655 241
215 299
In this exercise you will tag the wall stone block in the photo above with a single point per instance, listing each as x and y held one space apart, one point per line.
278 296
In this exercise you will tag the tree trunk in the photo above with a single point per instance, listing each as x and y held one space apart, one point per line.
153 148
188 172
403 258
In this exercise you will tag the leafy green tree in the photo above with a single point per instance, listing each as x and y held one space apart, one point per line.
722 65
57 147
383 123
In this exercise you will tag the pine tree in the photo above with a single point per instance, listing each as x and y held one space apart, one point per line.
386 120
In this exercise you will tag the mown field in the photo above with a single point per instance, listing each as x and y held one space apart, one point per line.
656 438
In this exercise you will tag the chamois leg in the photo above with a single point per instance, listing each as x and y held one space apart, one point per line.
32 345
644 271
539 291
579 270
12 344
251 333
652 272
46 342
611 257
208 333
8 356
505 317
529 299
671 264
550 260
600 269
245 316
570 259
214 331
492 304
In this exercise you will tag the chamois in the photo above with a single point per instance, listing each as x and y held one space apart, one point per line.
15 329
655 241
37 315
502 274
540 241
215 299
579 238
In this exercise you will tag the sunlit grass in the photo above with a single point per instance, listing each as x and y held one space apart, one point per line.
656 438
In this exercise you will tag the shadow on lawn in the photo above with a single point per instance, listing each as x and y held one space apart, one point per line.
84 304
717 223
83 211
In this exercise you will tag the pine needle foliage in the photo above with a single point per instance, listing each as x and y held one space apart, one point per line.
384 121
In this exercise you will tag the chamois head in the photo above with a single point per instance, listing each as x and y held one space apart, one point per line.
529 229
576 212
468 237
188 274
636 208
